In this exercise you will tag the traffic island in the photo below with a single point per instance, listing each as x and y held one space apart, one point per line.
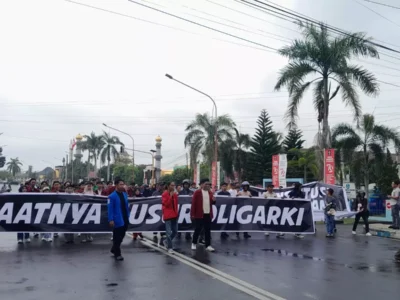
383 230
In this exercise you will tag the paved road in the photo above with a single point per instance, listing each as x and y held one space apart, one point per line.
348 267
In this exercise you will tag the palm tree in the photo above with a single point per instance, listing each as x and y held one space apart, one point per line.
234 154
326 59
93 144
365 143
13 166
306 159
109 150
200 135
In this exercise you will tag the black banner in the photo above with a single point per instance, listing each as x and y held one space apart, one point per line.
47 212
316 193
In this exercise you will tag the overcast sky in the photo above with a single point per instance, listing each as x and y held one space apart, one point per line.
66 69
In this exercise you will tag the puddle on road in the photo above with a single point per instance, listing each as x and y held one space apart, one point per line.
382 268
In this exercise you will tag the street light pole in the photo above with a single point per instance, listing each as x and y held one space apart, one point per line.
214 168
133 146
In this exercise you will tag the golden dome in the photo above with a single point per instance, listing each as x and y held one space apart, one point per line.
158 139
79 137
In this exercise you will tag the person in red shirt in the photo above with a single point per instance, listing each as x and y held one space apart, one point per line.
56 187
202 214
170 215
31 187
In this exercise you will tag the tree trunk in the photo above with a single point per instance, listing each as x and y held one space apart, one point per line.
108 170
326 135
366 174
88 168
305 174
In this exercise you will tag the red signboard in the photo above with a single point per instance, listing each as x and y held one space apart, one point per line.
275 170
329 166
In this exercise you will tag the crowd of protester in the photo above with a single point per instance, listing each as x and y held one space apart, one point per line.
201 211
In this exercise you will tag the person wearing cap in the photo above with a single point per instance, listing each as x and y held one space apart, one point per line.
224 192
245 192
202 214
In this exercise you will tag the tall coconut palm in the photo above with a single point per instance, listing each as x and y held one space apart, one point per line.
365 143
323 61
234 154
109 150
93 144
13 166
200 135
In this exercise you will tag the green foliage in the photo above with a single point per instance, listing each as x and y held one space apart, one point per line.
325 59
93 144
79 168
305 163
4 175
178 175
264 144
234 155
385 174
363 146
293 140
14 166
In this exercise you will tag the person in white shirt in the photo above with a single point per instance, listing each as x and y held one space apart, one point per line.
234 191
395 208
271 194
244 193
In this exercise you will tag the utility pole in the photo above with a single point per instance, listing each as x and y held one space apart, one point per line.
187 166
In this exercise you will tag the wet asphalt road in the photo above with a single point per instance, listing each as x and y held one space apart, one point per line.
348 267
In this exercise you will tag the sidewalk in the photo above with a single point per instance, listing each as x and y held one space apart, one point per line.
383 230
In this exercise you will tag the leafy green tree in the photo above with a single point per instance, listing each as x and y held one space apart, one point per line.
4 175
200 135
293 140
326 59
305 162
264 144
14 166
365 143
109 150
384 174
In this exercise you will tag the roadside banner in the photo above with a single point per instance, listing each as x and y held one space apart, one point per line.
35 212
316 193
282 170
329 166
275 170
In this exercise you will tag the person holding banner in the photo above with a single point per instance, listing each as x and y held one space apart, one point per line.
245 192
330 210
361 206
170 215
118 216
271 194
297 193
202 214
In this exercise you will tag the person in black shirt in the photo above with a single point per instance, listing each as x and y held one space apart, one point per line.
185 191
118 216
224 192
297 193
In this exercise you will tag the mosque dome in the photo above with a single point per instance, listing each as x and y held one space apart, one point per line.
158 139
79 137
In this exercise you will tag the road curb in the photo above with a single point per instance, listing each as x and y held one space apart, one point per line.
382 230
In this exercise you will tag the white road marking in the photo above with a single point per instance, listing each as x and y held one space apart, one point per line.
237 283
